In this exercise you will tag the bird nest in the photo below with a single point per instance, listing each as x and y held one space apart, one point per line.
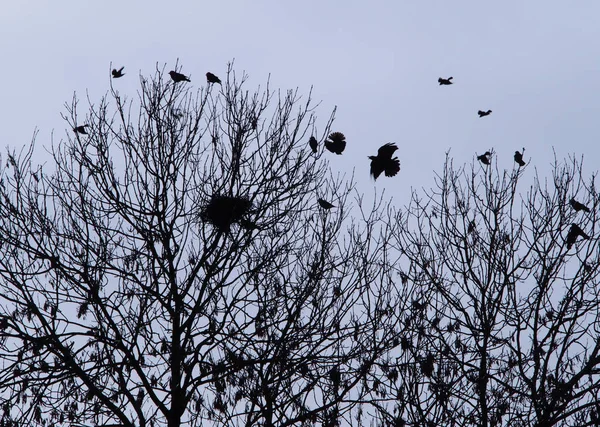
223 211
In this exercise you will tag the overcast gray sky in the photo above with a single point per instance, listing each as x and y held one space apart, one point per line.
535 63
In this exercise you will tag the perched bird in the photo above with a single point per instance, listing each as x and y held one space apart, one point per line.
484 113
519 158
471 227
313 143
383 161
574 232
178 77
325 204
211 78
485 158
80 129
447 81
578 206
336 143
117 73
427 365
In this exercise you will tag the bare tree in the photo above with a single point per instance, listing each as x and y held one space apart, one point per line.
171 266
502 319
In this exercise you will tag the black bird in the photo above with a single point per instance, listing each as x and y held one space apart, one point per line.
578 206
485 158
471 227
336 143
484 113
313 143
383 161
117 73
325 204
519 158
427 365
574 232
80 129
178 77
447 81
211 78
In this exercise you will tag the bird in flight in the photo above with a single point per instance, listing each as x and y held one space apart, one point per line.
383 161
574 232
178 77
485 158
80 129
484 113
336 143
325 204
313 143
519 158
578 206
445 82
211 78
117 73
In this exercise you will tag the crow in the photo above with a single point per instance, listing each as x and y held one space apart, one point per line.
574 232
313 143
445 82
427 365
484 113
211 78
578 206
519 158
178 77
336 143
485 158
383 161
80 129
325 204
471 227
117 73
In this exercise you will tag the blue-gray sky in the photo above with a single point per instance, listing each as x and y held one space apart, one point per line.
535 63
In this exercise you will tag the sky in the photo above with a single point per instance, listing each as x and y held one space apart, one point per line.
535 63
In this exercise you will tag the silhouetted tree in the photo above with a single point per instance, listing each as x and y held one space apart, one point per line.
171 268
503 325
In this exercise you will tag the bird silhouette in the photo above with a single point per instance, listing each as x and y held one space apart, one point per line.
211 78
519 158
336 143
80 129
427 365
574 232
471 227
325 204
444 82
383 161
117 73
484 113
313 143
578 206
178 77
485 158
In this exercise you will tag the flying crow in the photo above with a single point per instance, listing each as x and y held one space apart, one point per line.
444 82
117 73
484 113
336 143
383 161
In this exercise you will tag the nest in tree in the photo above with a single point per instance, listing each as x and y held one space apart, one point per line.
222 211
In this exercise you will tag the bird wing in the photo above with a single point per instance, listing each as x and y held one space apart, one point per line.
393 167
386 151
